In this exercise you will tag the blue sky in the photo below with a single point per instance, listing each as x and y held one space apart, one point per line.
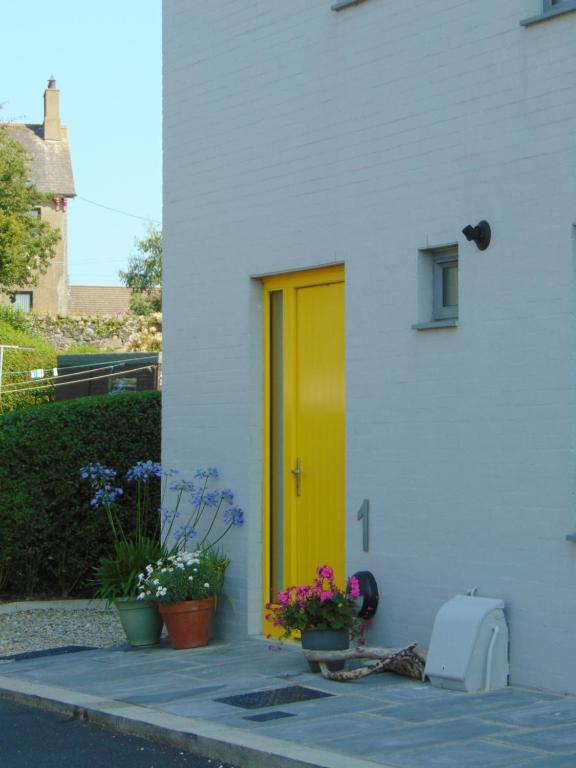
106 58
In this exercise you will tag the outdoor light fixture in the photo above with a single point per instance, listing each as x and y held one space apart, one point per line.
368 593
481 234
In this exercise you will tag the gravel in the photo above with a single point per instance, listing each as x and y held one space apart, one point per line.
40 629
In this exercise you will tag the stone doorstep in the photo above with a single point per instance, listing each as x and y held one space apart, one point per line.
59 605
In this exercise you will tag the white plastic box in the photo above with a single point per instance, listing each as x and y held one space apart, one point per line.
469 645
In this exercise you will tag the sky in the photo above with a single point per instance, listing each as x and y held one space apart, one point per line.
106 59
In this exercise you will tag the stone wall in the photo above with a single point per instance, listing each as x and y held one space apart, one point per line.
126 333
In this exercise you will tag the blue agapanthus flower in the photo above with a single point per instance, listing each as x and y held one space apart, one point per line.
183 485
234 516
168 515
185 531
97 473
204 474
105 496
143 470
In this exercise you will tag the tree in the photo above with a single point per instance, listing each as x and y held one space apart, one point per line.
27 244
144 274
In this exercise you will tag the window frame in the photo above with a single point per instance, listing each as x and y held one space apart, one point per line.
550 10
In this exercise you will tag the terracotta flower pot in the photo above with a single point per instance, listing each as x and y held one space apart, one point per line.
188 622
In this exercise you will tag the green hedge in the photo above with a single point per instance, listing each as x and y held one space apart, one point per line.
50 537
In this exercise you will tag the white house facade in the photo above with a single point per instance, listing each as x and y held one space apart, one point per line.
331 335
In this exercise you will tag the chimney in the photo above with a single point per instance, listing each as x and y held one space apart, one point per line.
52 127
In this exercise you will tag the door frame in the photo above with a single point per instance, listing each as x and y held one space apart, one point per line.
290 281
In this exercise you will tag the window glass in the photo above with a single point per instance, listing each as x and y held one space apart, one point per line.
128 384
22 301
445 283
276 445
450 286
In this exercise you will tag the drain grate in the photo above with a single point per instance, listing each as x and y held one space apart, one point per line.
47 652
274 697
264 716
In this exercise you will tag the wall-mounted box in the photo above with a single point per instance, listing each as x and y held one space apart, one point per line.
469 645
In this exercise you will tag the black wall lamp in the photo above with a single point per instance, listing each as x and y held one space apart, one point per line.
481 234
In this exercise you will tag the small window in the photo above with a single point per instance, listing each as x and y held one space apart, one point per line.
550 9
438 288
445 286
22 301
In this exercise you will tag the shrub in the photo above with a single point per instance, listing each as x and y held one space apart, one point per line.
50 537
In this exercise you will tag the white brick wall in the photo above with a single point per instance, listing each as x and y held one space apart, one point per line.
296 136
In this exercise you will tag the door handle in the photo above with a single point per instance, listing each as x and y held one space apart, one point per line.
297 472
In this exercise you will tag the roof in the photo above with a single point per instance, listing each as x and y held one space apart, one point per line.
99 299
50 160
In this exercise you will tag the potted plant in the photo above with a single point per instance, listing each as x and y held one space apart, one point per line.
185 584
134 545
325 615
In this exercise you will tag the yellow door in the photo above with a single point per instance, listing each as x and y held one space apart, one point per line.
304 435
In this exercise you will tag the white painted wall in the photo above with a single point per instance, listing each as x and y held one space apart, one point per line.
296 136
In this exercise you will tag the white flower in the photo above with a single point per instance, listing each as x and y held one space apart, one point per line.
190 578
155 581
207 585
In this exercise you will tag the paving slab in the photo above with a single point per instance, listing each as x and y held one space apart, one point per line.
470 754
383 720
561 739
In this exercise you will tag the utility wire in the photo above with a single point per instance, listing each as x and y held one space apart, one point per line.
7 388
117 210
87 365
79 381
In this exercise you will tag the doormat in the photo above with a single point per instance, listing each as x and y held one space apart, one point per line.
273 697
47 652
265 716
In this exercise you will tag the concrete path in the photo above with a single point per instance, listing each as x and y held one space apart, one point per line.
185 698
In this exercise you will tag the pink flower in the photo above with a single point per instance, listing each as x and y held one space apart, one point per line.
353 587
283 598
325 572
325 595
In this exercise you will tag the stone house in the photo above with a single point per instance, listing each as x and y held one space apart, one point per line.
50 162
331 335
47 147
